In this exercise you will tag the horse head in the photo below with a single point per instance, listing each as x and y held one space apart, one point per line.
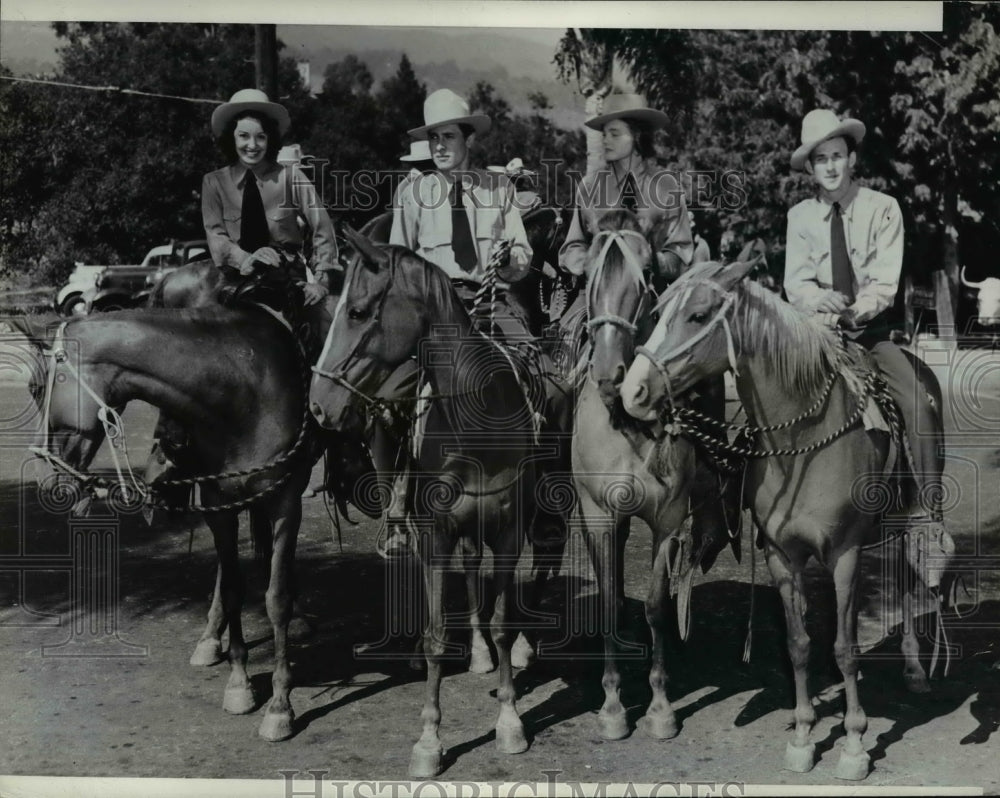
691 341
71 429
618 299
378 322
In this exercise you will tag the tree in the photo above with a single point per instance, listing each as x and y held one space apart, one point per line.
114 173
400 101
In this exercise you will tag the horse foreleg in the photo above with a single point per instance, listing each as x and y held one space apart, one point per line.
425 760
800 753
285 519
601 534
239 697
208 650
659 722
481 661
853 762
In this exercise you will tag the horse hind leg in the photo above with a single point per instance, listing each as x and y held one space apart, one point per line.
659 722
854 760
509 728
239 697
208 650
800 752
914 676
481 660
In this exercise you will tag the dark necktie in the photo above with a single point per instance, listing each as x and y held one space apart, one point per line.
461 234
840 261
253 222
629 199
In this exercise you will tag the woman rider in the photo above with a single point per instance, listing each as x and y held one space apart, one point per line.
254 210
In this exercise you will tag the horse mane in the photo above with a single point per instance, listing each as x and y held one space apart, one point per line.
431 281
800 351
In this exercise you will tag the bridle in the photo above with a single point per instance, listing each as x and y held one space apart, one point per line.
636 272
339 377
669 304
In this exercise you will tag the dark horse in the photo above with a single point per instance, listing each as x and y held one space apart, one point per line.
234 381
474 451
811 462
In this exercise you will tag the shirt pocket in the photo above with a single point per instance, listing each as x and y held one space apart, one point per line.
232 221
283 225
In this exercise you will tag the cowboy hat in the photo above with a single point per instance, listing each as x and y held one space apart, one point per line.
419 151
628 106
818 126
249 100
514 169
444 107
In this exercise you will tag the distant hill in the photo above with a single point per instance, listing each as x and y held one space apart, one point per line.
518 62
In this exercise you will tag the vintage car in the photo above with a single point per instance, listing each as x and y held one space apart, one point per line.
119 287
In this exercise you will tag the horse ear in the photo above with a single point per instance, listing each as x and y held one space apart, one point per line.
371 254
738 270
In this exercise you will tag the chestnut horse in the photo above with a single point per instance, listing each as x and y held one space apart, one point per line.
474 463
202 367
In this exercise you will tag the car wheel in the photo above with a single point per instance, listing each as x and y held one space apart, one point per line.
74 305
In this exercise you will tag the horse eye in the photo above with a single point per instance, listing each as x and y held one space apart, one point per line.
357 314
699 318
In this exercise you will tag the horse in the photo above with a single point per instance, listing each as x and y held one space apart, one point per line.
475 453
622 470
242 453
811 470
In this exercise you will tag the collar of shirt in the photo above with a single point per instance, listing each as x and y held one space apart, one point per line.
239 173
846 202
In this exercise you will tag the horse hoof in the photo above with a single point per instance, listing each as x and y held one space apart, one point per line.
800 758
238 700
425 763
916 682
276 726
511 739
299 629
852 767
612 726
522 654
658 727
481 661
207 652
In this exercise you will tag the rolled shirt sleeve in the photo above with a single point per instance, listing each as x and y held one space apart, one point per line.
325 254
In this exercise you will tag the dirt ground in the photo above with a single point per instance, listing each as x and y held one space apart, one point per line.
145 712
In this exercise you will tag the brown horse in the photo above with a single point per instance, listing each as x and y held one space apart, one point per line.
473 458
243 410
810 461
626 469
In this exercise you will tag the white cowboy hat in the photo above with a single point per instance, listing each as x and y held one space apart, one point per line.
514 169
818 126
444 107
419 151
628 106
249 100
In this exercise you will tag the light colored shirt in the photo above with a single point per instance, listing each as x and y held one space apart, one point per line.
873 229
289 199
421 221
659 200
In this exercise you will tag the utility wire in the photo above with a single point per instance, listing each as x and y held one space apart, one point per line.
116 89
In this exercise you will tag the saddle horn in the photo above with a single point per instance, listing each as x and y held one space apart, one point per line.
370 252
968 283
